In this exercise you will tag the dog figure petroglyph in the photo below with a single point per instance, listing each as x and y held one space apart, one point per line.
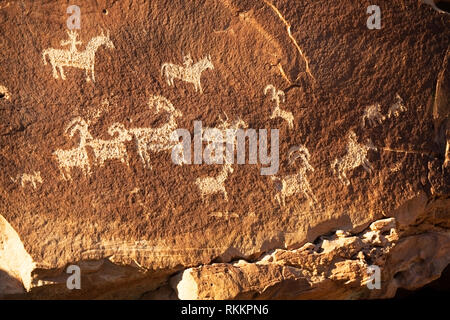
213 185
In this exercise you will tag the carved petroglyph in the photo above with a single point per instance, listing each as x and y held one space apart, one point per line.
111 149
60 58
373 114
355 157
397 107
224 215
278 96
213 185
228 132
25 178
189 73
4 93
94 114
156 139
147 139
76 157
296 183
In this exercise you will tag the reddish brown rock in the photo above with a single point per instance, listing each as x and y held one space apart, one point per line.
87 177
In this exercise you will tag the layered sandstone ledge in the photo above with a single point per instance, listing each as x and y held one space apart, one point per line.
87 177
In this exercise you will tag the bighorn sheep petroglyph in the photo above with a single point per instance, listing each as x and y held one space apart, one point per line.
298 182
279 96
76 157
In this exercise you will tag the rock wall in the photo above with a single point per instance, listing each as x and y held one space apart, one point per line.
88 177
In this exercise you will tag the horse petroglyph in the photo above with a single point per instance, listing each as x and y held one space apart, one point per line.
298 182
355 157
24 178
156 139
373 114
278 96
397 107
213 185
189 72
60 58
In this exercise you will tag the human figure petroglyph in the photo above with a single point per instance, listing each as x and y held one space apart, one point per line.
76 157
397 107
298 182
189 73
156 139
213 185
355 157
24 178
373 114
60 58
4 93
278 96
73 42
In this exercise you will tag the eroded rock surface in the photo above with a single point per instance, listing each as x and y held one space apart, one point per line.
87 177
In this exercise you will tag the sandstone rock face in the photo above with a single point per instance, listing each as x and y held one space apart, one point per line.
88 179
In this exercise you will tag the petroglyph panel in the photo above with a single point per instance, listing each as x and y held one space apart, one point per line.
87 169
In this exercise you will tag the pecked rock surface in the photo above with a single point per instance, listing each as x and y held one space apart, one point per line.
87 177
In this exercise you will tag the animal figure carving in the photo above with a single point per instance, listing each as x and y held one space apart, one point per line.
33 179
213 185
4 93
85 60
298 182
373 114
156 139
189 72
355 157
76 157
225 127
397 107
114 148
278 96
